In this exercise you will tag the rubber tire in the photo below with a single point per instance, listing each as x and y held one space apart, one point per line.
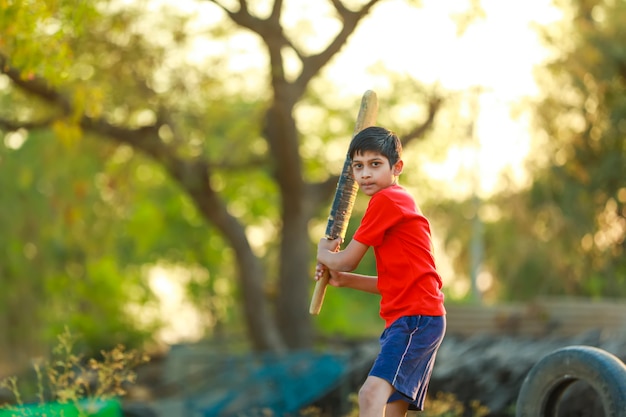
548 379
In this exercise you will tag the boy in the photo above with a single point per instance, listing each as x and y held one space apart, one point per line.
410 287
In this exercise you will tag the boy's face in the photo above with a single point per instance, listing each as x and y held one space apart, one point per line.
372 171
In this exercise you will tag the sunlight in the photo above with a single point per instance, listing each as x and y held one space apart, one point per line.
182 318
497 54
14 140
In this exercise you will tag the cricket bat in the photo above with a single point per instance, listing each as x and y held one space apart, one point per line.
345 195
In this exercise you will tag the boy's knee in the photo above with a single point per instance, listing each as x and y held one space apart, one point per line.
373 394
367 397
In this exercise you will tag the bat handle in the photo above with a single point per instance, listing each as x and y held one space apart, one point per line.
318 293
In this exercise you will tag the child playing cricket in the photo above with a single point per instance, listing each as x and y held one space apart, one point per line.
411 301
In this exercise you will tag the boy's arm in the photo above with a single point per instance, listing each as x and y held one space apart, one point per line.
340 260
359 282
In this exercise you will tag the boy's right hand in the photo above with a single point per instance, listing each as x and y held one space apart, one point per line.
319 271
327 245
334 277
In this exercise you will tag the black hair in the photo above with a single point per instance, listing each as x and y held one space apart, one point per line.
377 139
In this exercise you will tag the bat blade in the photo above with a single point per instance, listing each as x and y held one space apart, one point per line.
345 194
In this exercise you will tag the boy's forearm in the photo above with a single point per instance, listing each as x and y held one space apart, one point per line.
360 282
334 261
345 260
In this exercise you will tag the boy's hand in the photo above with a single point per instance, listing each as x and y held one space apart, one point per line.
319 271
326 245
330 245
334 277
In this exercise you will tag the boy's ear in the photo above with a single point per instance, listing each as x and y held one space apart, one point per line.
397 167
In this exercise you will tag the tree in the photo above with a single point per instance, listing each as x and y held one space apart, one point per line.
582 114
565 234
57 239
98 75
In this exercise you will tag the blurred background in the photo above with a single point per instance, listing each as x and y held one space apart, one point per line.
166 168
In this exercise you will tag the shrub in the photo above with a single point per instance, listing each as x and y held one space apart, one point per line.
68 379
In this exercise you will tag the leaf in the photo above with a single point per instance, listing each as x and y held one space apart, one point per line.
67 132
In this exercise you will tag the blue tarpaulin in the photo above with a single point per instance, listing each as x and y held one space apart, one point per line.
265 385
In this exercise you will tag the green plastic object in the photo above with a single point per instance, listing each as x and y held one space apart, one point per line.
84 408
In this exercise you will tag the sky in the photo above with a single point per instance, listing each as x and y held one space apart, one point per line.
496 53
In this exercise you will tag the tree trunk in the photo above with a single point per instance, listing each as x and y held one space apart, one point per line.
262 329
292 303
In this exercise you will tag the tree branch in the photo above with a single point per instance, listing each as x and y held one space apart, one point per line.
419 131
145 139
270 31
276 11
311 65
13 125
245 19
34 85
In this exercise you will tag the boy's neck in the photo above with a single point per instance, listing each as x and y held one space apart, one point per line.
393 184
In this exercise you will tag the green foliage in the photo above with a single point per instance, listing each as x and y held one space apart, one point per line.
351 314
565 234
579 195
37 34
60 268
84 220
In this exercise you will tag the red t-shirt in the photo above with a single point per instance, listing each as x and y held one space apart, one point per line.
400 235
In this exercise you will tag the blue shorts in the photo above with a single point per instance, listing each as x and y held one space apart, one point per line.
407 354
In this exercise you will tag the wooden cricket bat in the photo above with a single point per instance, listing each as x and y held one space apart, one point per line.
345 195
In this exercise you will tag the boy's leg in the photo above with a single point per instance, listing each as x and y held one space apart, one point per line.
397 409
373 397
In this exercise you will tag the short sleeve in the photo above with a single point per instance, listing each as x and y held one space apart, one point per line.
381 215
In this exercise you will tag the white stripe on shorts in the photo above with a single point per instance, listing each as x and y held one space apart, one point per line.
395 377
